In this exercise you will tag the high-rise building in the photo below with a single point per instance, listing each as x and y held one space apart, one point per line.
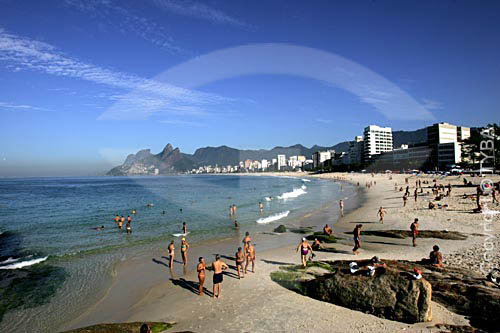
377 140
281 161
320 157
355 151
441 133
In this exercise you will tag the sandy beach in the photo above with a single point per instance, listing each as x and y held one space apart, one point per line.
144 289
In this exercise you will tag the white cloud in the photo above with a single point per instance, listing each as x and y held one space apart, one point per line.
324 121
22 107
114 14
198 10
148 97
181 122
432 105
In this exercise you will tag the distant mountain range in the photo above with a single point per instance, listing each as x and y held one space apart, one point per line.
171 160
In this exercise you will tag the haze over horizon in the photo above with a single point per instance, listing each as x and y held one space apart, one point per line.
84 84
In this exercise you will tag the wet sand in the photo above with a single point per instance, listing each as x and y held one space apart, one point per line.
144 289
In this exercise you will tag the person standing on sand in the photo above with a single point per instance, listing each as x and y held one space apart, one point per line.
247 239
341 206
184 249
357 238
201 274
304 248
405 198
171 253
218 266
240 259
415 194
381 212
250 255
414 232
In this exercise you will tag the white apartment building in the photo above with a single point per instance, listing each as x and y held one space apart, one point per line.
264 164
281 161
321 156
377 140
446 133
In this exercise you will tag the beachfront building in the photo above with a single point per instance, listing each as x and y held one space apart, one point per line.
248 164
281 160
376 140
446 141
320 157
264 164
355 151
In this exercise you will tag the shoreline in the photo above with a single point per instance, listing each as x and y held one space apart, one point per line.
126 274
258 297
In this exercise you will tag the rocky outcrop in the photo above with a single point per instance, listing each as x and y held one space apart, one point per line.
280 229
169 161
439 234
387 294
123 328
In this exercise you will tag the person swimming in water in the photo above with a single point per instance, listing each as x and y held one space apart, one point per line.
261 207
120 223
98 228
236 225
128 227
184 228
117 219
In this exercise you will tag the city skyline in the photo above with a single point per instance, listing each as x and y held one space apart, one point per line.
85 84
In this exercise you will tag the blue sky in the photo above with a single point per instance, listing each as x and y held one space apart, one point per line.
85 83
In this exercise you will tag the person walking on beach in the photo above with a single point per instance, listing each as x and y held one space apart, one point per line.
184 228
304 248
405 199
250 255
414 232
171 253
381 212
218 266
184 249
240 259
341 206
357 238
415 194
201 274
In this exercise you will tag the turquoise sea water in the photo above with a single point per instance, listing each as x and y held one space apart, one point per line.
53 262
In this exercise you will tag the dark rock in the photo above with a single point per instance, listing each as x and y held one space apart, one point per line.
389 294
462 291
322 238
135 327
452 235
281 229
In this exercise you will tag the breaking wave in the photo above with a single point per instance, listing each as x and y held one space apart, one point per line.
22 264
294 194
274 217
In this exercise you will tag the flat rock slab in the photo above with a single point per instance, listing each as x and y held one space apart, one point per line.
401 234
134 327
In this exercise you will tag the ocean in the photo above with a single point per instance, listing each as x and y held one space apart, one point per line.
53 264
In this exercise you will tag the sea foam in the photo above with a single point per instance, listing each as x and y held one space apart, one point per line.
22 264
306 180
294 194
274 217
